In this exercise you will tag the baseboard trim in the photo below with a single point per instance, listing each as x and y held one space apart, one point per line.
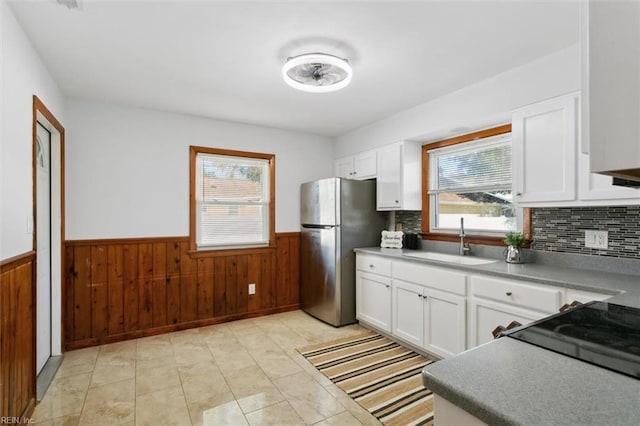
177 327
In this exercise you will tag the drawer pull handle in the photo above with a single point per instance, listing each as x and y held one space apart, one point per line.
499 330
387 285
420 296
568 306
372 266
509 293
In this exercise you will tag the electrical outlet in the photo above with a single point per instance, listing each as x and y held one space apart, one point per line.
399 226
596 239
252 288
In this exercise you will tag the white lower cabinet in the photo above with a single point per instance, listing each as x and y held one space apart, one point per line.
448 414
374 300
428 318
495 301
431 307
485 316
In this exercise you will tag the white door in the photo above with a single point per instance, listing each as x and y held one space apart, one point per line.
43 246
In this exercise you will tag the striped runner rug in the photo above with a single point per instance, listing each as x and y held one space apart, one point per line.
381 375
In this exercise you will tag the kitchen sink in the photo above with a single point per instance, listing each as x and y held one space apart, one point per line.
451 258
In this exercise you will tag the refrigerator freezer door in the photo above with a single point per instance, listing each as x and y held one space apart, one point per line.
318 202
320 290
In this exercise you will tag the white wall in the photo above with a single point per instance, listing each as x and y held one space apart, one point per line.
23 75
2 9
127 169
478 106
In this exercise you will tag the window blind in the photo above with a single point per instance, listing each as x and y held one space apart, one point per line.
479 166
232 201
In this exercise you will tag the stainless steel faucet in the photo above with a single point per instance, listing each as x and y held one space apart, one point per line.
464 246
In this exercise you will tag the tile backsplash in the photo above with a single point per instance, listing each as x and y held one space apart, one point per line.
411 221
562 230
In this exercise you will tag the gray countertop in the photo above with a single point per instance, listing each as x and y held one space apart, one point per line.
625 288
508 382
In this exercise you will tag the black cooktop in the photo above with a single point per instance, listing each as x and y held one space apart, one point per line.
601 333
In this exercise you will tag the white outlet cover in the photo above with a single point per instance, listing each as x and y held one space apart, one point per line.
596 239
252 288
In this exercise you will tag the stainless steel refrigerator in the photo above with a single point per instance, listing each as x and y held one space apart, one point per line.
337 215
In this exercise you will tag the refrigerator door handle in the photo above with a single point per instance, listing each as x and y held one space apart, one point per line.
311 226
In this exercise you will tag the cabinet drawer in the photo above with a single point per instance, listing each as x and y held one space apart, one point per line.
374 264
440 279
583 296
530 296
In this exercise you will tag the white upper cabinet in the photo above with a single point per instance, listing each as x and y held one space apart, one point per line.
613 73
399 177
551 165
360 166
544 151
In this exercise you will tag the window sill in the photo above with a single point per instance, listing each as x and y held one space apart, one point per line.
231 251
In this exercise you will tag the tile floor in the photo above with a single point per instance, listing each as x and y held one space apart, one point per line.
239 373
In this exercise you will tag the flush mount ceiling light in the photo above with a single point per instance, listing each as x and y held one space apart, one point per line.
317 72
70 4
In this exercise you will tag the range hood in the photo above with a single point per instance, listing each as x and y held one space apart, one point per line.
625 182
618 160
611 76
623 177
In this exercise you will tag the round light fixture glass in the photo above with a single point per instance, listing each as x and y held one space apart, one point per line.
317 72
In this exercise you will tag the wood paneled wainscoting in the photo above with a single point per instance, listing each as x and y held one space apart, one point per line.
127 288
17 336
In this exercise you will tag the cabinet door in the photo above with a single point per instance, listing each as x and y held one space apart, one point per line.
445 323
344 167
485 316
365 165
389 182
374 300
544 151
408 307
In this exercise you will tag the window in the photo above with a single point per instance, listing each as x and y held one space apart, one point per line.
470 177
472 181
232 199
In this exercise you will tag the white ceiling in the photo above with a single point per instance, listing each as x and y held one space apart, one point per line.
222 59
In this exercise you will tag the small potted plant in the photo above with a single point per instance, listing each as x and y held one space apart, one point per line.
514 242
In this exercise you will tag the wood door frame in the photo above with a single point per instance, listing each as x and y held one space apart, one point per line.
41 111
